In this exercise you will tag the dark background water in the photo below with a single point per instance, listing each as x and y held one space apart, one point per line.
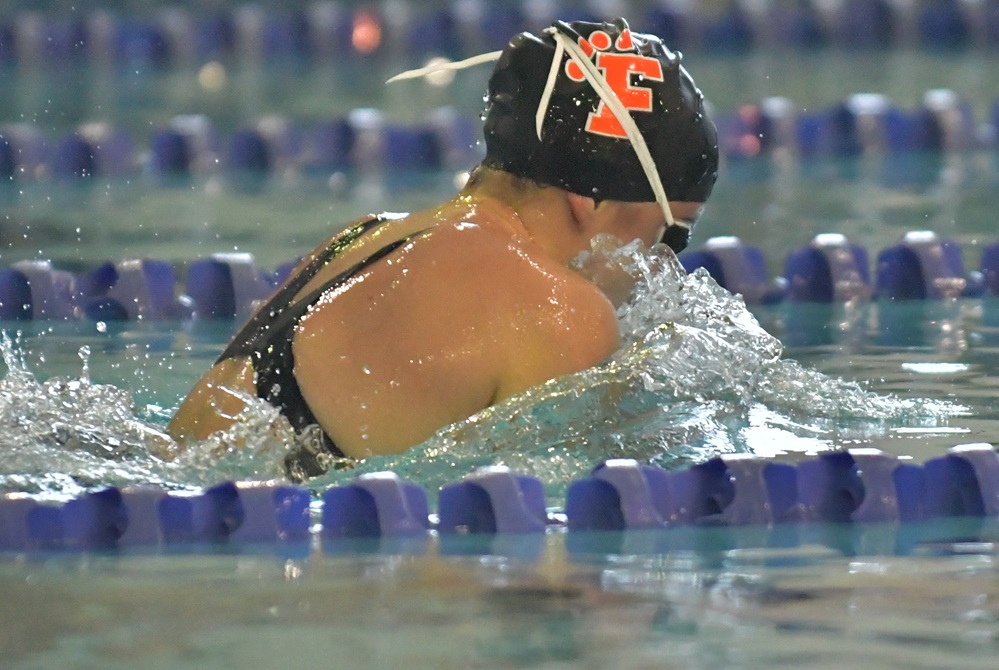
56 86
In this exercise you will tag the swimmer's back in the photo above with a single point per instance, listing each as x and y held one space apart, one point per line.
462 317
459 318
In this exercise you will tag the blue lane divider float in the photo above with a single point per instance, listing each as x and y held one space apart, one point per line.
860 486
829 269
238 513
736 266
923 266
378 512
907 140
150 517
864 485
909 143
245 160
375 505
324 29
493 511
95 521
170 157
225 286
221 286
493 500
31 290
868 124
130 290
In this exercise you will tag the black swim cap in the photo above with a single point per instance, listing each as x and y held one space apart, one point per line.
583 148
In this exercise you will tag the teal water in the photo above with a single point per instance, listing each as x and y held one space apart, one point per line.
697 376
82 402
700 601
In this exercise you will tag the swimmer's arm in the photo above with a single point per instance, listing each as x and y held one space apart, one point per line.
214 402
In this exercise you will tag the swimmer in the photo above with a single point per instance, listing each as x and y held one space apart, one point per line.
402 324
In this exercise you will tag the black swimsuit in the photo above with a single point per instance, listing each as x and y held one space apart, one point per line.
267 338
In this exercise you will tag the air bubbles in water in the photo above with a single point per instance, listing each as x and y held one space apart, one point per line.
84 354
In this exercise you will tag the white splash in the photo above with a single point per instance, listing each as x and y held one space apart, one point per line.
696 376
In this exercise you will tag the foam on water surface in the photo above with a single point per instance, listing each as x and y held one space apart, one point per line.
696 376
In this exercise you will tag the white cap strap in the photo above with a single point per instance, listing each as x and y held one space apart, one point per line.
609 98
446 65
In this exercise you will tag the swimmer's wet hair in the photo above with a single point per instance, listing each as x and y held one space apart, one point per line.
563 146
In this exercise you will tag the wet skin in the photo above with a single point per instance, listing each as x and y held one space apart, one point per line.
479 307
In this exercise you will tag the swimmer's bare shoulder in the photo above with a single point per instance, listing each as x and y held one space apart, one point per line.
462 318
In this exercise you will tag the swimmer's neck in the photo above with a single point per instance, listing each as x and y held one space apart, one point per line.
529 211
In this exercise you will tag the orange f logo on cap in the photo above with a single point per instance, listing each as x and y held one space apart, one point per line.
619 66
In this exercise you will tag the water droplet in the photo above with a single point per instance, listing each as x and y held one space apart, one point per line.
84 353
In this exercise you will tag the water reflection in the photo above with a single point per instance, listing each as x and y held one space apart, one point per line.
704 608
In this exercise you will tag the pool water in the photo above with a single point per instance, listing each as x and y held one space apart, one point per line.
917 378
706 602
697 376
821 595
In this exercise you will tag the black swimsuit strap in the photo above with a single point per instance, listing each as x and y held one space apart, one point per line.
267 339
261 326
297 310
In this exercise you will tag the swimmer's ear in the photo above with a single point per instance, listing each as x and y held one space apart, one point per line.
583 208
